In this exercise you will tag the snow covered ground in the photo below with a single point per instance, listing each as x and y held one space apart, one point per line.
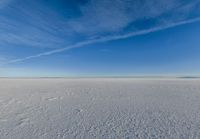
99 108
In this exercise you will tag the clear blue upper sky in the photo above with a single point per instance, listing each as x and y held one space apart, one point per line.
99 37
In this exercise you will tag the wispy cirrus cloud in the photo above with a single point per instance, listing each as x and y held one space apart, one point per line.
40 25
111 16
29 23
105 39
35 23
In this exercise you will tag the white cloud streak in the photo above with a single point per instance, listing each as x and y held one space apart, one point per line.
106 39
112 16
38 24
26 23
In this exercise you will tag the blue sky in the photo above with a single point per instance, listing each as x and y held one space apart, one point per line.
99 37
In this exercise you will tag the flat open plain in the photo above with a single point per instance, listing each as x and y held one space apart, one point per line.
112 108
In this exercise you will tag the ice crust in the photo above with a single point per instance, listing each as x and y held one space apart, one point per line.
104 108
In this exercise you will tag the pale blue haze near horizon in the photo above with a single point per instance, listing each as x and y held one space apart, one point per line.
65 38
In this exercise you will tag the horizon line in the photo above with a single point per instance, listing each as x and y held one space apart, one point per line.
80 77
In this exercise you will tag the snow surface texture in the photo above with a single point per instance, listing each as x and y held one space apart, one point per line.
99 108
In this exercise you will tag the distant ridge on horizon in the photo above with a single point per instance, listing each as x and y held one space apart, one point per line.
81 77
